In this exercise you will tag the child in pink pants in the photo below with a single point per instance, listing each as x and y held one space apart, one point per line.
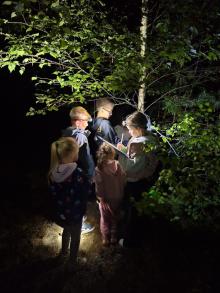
109 182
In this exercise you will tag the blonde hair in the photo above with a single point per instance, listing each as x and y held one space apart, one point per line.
61 149
104 102
79 113
104 153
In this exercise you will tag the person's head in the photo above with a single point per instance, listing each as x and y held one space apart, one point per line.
105 153
104 107
136 124
63 151
79 117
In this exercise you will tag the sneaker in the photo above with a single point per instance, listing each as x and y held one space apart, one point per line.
87 228
62 258
121 242
113 240
105 242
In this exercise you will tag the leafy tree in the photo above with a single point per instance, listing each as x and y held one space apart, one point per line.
187 190
76 51
70 46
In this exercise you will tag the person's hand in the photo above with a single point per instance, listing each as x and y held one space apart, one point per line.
105 206
120 146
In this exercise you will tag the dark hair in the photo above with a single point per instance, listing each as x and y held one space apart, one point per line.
137 120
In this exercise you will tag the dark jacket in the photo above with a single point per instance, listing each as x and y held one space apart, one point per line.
102 127
70 198
85 161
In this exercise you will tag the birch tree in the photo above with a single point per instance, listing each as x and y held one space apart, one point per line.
143 36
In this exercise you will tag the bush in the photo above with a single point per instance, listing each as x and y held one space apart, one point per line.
188 188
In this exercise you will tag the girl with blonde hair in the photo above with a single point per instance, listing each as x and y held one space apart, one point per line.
69 189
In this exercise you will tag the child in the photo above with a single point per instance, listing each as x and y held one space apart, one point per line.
140 169
102 126
69 188
79 122
109 182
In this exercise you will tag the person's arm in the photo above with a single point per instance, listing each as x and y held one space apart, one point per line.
85 160
99 184
109 133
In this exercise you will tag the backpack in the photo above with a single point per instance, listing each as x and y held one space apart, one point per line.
94 142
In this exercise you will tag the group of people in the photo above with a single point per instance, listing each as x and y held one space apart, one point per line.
78 163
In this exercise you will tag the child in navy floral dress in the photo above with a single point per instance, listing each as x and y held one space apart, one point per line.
69 189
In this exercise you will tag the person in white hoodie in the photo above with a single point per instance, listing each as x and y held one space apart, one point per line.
109 182
141 167
69 189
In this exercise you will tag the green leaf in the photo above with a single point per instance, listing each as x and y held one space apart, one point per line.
7 3
22 69
13 14
12 66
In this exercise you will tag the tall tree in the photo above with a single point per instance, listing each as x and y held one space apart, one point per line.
143 35
70 48
75 51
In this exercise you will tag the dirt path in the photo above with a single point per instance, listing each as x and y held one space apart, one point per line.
30 242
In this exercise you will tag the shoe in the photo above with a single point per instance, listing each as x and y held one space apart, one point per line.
81 260
105 242
113 240
121 242
87 228
71 267
62 258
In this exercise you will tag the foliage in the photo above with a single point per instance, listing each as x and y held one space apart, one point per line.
70 46
76 50
183 50
187 190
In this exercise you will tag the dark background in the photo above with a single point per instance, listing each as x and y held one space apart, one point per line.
26 139
187 261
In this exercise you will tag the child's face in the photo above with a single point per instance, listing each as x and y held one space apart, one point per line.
82 123
134 132
107 111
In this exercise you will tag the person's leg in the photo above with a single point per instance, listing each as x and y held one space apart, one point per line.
114 227
65 240
135 228
75 231
104 224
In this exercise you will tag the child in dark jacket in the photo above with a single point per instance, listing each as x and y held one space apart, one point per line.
102 126
79 122
109 182
69 189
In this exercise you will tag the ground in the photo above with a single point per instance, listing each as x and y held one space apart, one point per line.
169 261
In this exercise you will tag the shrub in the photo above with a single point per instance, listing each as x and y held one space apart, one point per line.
188 187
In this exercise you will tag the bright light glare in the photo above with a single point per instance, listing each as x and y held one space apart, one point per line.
52 236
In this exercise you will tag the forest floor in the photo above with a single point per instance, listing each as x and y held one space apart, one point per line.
169 260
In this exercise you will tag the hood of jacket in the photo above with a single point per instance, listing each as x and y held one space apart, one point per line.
62 172
111 167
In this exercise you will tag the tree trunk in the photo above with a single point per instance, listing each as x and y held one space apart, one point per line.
143 35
